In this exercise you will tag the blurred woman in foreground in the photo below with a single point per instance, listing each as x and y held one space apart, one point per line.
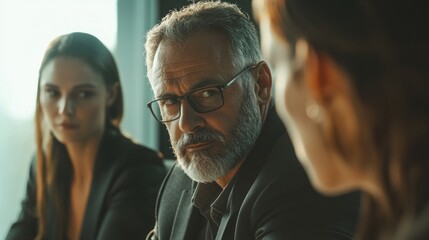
352 86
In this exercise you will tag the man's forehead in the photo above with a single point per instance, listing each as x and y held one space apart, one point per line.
182 69
185 72
186 79
186 63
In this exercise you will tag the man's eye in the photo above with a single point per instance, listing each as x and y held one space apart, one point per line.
209 92
169 101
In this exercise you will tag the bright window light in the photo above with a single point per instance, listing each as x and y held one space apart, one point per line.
26 29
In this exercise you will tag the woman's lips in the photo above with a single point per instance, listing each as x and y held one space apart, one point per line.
68 126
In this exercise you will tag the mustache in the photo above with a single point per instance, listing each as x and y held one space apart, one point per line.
205 135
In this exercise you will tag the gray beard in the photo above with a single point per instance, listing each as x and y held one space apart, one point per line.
211 164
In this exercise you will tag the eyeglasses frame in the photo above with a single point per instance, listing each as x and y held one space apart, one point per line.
221 88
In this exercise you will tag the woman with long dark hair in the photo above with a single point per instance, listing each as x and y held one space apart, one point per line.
87 180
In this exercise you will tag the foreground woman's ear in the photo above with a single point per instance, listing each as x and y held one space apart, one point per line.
326 81
332 101
112 94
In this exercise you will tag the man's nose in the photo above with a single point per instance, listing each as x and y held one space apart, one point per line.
189 120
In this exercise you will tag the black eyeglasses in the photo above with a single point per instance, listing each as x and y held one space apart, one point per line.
202 100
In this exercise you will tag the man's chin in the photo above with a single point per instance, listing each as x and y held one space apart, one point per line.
187 159
202 174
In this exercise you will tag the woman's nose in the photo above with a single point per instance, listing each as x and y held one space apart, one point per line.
66 106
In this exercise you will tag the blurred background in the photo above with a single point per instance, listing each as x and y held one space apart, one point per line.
26 28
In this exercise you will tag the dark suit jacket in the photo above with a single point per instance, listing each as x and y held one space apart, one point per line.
122 198
419 229
271 199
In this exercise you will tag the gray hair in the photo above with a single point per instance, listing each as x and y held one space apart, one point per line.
226 17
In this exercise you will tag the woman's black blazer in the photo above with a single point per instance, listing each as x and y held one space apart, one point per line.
122 198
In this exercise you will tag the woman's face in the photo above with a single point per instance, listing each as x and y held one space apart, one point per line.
302 115
73 99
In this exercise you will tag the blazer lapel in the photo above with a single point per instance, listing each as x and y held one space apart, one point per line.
104 172
100 185
185 218
227 224
246 176
52 226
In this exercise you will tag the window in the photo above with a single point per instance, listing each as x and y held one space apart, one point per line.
26 28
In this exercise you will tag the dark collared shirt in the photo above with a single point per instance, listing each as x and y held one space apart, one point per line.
212 202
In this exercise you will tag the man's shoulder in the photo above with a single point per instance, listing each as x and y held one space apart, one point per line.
174 206
175 183
281 164
273 155
281 196
125 153
177 178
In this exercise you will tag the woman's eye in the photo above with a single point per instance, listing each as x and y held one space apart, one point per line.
85 94
52 93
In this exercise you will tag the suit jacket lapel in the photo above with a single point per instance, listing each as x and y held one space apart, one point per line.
52 224
101 181
227 224
185 218
270 133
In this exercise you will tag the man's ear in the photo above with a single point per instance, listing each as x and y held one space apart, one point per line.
263 83
112 94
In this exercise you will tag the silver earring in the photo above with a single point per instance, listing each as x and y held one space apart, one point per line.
313 112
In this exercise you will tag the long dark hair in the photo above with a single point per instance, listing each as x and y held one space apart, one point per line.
53 164
383 46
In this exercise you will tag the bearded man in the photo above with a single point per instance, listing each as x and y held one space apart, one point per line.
236 176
